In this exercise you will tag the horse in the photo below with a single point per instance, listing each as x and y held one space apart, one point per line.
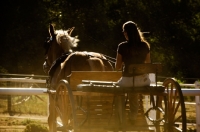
61 60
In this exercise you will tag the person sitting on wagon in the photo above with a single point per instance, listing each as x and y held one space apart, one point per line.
135 50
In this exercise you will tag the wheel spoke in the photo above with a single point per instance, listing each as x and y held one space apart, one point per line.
178 129
174 99
65 106
178 118
175 107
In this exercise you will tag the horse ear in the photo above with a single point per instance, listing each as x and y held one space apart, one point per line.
51 30
69 31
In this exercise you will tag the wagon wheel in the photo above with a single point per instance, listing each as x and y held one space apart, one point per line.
65 107
175 114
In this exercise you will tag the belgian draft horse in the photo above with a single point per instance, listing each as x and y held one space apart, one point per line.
60 61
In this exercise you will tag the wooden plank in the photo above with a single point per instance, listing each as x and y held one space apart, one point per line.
77 76
137 69
101 113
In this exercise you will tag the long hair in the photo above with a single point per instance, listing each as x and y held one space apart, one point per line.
137 46
134 34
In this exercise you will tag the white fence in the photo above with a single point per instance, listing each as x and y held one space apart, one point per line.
39 91
25 90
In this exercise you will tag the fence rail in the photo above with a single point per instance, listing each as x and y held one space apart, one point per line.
23 91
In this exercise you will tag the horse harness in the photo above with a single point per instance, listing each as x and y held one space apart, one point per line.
61 59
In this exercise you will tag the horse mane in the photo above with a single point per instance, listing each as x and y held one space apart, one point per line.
63 37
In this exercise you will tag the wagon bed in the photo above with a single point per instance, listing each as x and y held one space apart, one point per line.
86 103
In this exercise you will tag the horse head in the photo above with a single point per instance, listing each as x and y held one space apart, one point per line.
59 42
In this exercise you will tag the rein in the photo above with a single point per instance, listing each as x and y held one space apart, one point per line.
111 59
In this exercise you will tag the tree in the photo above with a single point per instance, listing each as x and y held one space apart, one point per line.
173 25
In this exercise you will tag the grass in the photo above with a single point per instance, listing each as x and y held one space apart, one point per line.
29 105
37 105
191 113
22 125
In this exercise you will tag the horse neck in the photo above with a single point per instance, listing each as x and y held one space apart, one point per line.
56 52
66 48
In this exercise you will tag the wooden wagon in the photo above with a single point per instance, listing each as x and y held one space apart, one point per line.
89 102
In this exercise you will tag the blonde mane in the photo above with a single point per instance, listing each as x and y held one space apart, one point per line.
65 40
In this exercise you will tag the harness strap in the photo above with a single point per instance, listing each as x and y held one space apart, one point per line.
57 62
91 55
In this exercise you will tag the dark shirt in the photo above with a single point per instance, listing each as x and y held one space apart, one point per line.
132 54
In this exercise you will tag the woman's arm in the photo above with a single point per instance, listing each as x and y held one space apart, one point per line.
118 64
148 58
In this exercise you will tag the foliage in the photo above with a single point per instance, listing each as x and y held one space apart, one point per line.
3 70
174 27
27 122
35 127
180 81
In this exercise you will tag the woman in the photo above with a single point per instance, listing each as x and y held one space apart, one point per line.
135 50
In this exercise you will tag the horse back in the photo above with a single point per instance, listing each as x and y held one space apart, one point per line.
86 61
82 61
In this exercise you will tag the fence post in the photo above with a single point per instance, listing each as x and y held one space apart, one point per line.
197 99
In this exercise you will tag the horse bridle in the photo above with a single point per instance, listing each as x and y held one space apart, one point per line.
47 45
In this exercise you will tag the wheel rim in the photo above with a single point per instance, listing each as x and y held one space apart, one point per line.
175 112
65 106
